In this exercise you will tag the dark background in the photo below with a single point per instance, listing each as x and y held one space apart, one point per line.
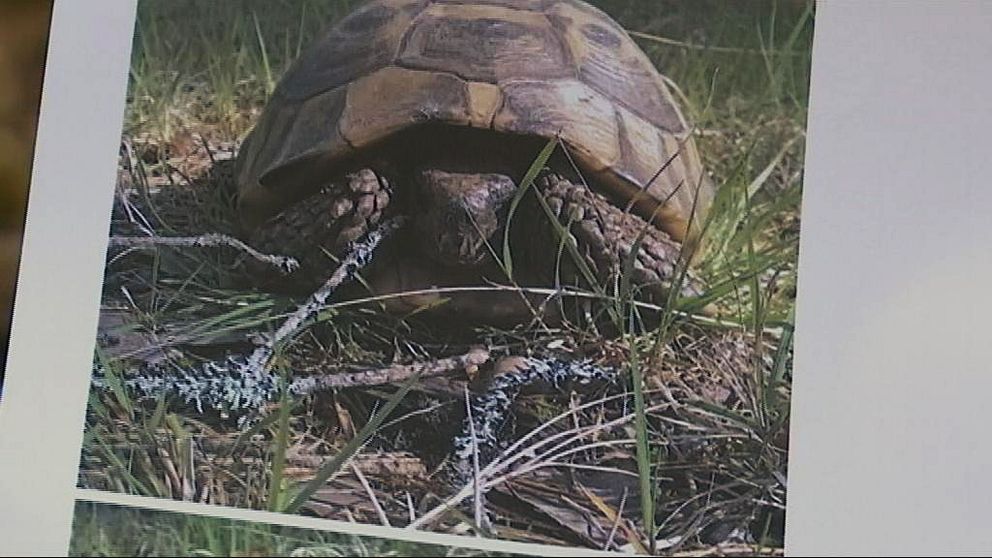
23 44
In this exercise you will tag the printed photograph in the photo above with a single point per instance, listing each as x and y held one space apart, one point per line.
514 269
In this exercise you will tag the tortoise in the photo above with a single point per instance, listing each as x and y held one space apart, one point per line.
436 109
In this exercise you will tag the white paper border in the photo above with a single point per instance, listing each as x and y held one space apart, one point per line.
893 348
890 429
42 409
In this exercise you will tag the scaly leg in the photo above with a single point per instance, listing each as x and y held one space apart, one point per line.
319 228
605 235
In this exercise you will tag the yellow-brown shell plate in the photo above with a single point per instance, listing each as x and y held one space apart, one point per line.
540 67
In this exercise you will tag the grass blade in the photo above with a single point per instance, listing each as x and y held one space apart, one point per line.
645 478
525 184
333 466
276 493
269 82
785 345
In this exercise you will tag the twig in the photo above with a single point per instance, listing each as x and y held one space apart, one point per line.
518 450
417 412
436 512
358 257
466 490
692 46
495 473
390 374
699 319
476 484
236 383
409 507
372 497
285 264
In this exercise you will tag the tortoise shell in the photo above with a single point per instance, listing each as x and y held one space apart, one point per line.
528 67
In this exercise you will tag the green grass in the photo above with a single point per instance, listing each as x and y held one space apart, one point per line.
205 69
106 530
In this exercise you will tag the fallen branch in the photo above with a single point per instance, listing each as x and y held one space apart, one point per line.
359 255
238 384
285 264
391 374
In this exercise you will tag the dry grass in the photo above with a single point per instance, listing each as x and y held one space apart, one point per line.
715 401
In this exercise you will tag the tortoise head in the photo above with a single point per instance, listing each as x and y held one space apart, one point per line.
458 213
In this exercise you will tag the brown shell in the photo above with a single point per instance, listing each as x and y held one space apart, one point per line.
535 67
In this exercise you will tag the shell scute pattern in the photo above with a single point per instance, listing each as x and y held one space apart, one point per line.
361 43
536 68
485 43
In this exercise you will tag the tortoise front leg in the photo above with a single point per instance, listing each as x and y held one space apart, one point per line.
605 236
318 229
